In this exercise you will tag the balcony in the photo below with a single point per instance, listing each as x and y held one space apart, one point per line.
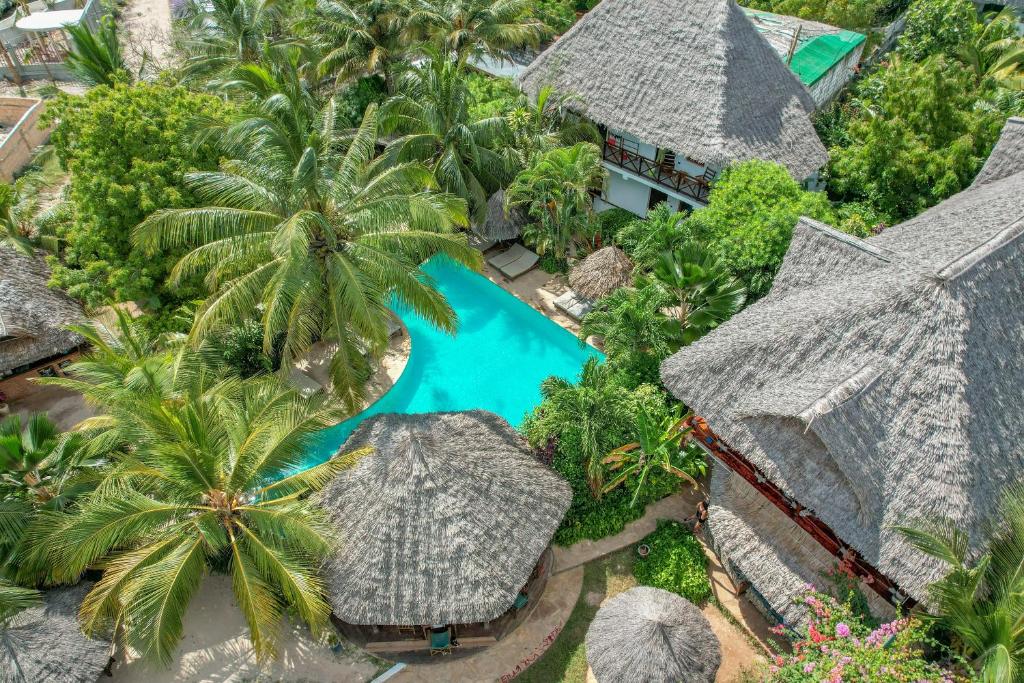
663 173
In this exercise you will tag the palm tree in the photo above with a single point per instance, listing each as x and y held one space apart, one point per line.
465 29
305 227
361 38
995 52
549 122
556 191
644 239
220 34
207 475
979 601
96 57
431 114
703 291
658 445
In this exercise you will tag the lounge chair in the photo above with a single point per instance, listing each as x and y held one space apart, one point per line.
394 327
303 383
514 262
441 642
574 305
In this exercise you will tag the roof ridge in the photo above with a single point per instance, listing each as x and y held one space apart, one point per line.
979 253
881 253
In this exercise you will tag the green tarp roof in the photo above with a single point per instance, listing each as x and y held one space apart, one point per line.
817 56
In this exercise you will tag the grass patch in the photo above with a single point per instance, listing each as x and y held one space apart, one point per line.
566 659
676 563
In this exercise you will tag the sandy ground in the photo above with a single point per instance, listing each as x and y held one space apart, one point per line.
146 34
216 648
65 408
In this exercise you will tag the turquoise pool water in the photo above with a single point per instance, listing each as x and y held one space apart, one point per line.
496 361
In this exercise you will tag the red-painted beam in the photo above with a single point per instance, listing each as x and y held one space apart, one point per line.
850 561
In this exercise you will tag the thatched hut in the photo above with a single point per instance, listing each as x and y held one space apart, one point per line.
601 273
878 383
33 321
501 225
45 643
443 523
648 635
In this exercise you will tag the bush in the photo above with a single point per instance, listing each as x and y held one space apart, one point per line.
242 349
550 263
850 14
127 150
354 99
560 15
490 96
612 221
936 26
676 563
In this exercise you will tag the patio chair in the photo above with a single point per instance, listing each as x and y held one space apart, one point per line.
574 305
515 261
441 642
508 256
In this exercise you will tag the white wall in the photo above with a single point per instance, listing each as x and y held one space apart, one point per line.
626 193
833 81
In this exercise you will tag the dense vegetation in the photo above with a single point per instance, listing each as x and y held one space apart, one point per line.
676 562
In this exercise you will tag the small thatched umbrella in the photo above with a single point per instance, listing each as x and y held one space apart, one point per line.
602 273
45 643
500 225
648 635
442 523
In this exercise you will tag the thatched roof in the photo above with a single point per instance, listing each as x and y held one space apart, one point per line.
648 635
880 379
601 273
499 224
31 312
692 76
45 643
442 523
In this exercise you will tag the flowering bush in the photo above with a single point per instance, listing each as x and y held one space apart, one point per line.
840 648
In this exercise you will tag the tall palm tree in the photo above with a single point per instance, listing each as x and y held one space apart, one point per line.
704 293
207 475
556 191
644 239
96 56
305 227
548 122
465 29
980 600
995 52
220 34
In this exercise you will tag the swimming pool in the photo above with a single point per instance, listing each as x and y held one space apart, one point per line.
496 361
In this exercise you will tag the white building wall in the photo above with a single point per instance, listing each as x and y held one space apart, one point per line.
626 193
832 83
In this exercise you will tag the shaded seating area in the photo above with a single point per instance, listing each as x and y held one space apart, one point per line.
596 276
501 225
515 261
443 532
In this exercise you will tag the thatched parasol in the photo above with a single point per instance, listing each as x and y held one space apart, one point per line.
45 643
602 273
442 523
648 635
499 224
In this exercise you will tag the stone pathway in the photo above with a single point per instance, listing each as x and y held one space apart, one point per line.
503 660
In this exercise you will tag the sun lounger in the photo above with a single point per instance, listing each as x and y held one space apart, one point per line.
515 261
574 305
394 327
303 383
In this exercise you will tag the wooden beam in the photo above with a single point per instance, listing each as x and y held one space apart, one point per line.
850 561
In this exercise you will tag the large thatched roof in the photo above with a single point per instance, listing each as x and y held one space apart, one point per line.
442 523
880 379
648 635
692 76
602 273
45 643
35 315
501 225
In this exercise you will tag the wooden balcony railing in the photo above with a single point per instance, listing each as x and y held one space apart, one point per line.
662 173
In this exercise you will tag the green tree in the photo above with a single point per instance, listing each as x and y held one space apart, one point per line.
849 14
206 476
936 27
540 125
704 294
749 220
467 29
644 239
220 34
95 56
127 151
306 224
979 599
556 193
431 116
995 53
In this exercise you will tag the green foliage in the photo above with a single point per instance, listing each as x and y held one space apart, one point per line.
490 96
676 563
849 14
242 349
644 239
356 97
559 15
550 263
749 220
468 29
936 26
702 293
612 222
95 56
127 150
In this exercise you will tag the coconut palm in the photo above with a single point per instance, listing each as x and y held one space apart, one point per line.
14 599
658 446
995 52
207 475
431 115
95 56
704 293
548 122
220 34
465 29
306 228
556 192
979 601
644 239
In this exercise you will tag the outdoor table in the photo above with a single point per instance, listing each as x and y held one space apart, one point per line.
49 21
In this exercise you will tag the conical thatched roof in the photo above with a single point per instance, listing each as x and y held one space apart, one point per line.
35 315
692 76
499 224
45 643
442 523
880 380
601 273
648 635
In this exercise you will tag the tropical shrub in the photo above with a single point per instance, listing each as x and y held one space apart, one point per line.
559 15
490 96
465 29
676 562
850 14
612 222
242 349
356 97
95 56
702 293
936 26
127 149
644 239
749 220
838 646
